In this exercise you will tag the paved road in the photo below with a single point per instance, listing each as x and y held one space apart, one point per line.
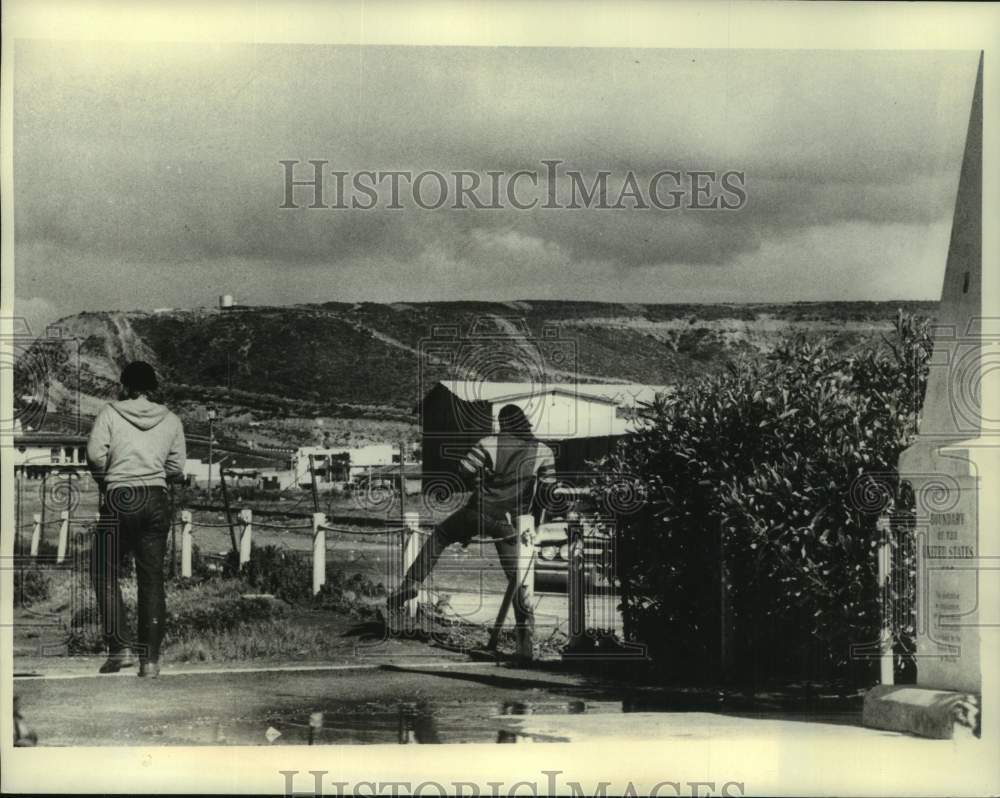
412 699
422 701
430 702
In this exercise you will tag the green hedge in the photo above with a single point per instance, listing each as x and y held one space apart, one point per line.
785 463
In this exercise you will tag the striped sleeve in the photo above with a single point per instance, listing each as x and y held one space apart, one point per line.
476 460
546 469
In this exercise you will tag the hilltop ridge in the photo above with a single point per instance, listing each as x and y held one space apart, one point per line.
373 361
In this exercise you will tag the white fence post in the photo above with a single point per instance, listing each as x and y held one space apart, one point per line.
319 551
409 552
886 674
63 536
526 580
576 589
36 533
246 538
186 544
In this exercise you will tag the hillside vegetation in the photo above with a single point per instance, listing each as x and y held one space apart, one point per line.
373 362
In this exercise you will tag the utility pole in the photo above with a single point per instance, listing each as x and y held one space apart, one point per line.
312 484
19 490
173 534
402 480
69 502
45 495
229 515
211 440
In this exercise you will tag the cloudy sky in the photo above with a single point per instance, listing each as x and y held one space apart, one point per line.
149 176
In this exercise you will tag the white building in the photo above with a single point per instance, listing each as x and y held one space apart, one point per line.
584 419
340 463
265 477
198 472
276 478
557 411
37 451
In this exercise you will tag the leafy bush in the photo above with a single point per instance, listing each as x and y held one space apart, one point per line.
773 464
343 593
203 567
275 570
216 606
287 575
30 586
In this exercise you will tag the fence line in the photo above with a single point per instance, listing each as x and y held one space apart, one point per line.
63 536
186 544
286 527
246 536
408 554
319 552
36 534
246 517
411 537
65 521
884 554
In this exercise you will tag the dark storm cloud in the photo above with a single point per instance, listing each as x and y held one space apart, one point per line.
164 155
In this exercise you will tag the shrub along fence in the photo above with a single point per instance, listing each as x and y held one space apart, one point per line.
756 549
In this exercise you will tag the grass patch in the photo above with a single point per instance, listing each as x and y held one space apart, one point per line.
31 586
217 606
225 616
270 639
194 610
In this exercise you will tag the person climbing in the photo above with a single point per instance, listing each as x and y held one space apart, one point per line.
507 472
135 447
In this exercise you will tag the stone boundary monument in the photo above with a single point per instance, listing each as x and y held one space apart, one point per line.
940 468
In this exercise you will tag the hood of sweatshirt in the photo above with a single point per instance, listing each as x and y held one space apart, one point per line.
140 412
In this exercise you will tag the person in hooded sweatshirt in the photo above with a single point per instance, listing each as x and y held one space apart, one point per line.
135 447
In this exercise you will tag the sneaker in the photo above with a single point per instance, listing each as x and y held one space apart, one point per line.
149 670
397 614
397 600
116 661
525 652
395 620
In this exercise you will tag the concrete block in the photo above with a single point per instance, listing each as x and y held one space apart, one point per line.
916 710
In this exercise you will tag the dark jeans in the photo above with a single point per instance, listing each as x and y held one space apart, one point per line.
459 527
134 521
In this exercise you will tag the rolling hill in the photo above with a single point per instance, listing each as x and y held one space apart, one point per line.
372 362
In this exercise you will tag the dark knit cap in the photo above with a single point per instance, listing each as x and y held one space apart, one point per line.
139 376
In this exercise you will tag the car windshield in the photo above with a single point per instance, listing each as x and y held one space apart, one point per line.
571 503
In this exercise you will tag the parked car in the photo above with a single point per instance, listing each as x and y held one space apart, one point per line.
552 541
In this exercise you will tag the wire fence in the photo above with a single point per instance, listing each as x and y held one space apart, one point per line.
326 533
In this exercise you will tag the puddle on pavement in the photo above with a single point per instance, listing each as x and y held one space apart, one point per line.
423 722
414 723
403 723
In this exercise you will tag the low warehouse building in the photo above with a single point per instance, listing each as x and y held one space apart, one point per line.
580 421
